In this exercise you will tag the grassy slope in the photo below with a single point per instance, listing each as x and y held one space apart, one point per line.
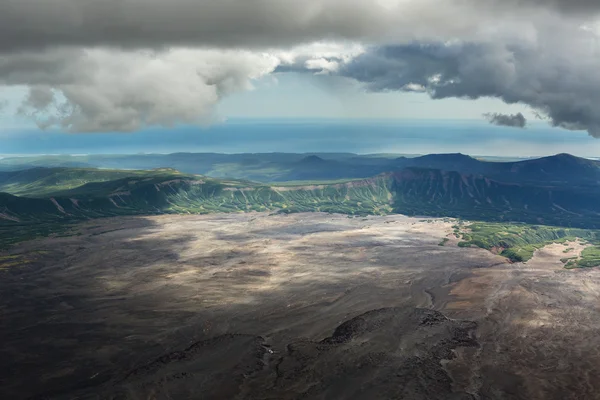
518 242
46 182
590 257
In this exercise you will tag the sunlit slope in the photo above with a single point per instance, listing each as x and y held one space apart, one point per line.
42 182
168 191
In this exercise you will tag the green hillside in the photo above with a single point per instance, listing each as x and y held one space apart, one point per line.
172 192
518 242
43 182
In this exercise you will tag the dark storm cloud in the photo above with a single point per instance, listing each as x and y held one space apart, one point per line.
511 120
556 77
565 6
155 23
27 24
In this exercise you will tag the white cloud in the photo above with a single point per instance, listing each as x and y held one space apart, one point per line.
126 90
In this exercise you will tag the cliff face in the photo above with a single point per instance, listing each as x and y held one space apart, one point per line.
447 193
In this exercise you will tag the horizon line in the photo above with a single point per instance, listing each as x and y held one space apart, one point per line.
26 155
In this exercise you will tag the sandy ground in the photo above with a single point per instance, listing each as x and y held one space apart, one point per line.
124 300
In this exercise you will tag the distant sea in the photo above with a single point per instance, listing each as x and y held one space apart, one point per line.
307 136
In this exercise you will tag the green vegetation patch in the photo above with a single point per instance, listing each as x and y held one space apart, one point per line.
518 242
590 258
16 233
12 261
46 182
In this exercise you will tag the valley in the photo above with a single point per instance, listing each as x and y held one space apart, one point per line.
260 306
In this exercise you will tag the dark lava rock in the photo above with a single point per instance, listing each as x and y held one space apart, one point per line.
391 353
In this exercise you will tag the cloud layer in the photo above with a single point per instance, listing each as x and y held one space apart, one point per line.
119 65
235 23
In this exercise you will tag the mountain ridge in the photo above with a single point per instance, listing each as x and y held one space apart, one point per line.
413 190
282 167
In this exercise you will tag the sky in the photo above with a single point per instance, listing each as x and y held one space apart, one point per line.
72 67
293 95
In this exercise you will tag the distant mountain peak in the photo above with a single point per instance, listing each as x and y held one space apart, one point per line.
563 158
565 155
448 156
312 159
570 157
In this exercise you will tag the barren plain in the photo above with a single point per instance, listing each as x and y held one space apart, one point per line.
311 306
